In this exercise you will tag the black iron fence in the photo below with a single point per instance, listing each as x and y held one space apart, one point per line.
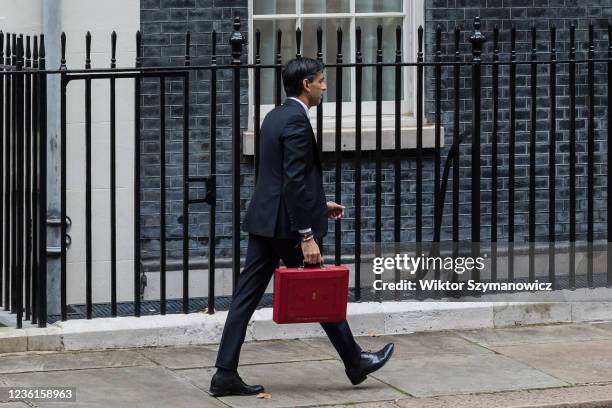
23 169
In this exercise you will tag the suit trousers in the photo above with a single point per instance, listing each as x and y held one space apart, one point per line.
262 258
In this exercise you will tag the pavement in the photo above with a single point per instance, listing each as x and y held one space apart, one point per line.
561 365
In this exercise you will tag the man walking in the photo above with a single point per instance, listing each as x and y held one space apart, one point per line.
286 218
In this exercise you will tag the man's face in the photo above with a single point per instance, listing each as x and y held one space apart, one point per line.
314 90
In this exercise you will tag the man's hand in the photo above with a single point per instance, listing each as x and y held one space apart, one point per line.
311 252
335 211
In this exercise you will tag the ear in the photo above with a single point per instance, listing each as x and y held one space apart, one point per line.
306 84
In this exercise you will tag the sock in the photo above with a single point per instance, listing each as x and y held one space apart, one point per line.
224 372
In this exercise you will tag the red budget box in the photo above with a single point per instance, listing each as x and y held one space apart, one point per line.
307 295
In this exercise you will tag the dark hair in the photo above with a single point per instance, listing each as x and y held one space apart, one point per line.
296 70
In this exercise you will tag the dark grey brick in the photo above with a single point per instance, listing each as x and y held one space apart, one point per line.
168 4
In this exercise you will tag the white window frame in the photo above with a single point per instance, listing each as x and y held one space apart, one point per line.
413 15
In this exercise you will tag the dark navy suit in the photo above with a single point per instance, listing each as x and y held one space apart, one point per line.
288 196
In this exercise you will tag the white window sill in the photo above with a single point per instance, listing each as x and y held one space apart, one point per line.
368 135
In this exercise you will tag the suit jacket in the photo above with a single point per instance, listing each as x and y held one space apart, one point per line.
289 192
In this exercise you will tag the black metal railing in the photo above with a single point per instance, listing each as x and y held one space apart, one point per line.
24 207
23 168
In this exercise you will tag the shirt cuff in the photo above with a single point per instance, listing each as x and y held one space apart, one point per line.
305 231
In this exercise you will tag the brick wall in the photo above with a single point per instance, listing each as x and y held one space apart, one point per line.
524 14
164 23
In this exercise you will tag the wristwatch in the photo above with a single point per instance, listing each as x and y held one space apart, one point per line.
306 234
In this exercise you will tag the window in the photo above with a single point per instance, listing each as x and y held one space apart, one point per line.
268 16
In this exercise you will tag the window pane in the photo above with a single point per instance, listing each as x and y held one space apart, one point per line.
368 50
268 52
378 6
330 27
274 7
323 6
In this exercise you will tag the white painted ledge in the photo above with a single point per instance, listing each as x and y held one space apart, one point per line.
368 138
369 318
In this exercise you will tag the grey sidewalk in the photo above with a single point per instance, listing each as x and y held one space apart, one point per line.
534 366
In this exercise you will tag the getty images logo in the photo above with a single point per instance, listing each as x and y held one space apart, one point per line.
403 262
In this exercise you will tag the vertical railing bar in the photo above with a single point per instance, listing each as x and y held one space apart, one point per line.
590 153
64 84
552 143
162 195
278 69
419 150
358 90
572 158
532 156
186 93
298 43
7 177
186 185
437 132
3 272
186 192
137 90
213 169
236 42
113 178
320 105
35 195
456 138
28 179
257 91
88 186
9 173
187 61
378 152
378 171
14 215
494 153
19 116
338 147
477 39
42 183
511 154
397 151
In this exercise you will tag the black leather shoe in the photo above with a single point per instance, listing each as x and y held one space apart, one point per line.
368 363
222 385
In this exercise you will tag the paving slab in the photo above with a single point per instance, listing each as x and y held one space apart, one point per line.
448 374
409 345
25 362
594 396
299 384
535 334
181 357
279 351
263 352
15 404
134 387
575 362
